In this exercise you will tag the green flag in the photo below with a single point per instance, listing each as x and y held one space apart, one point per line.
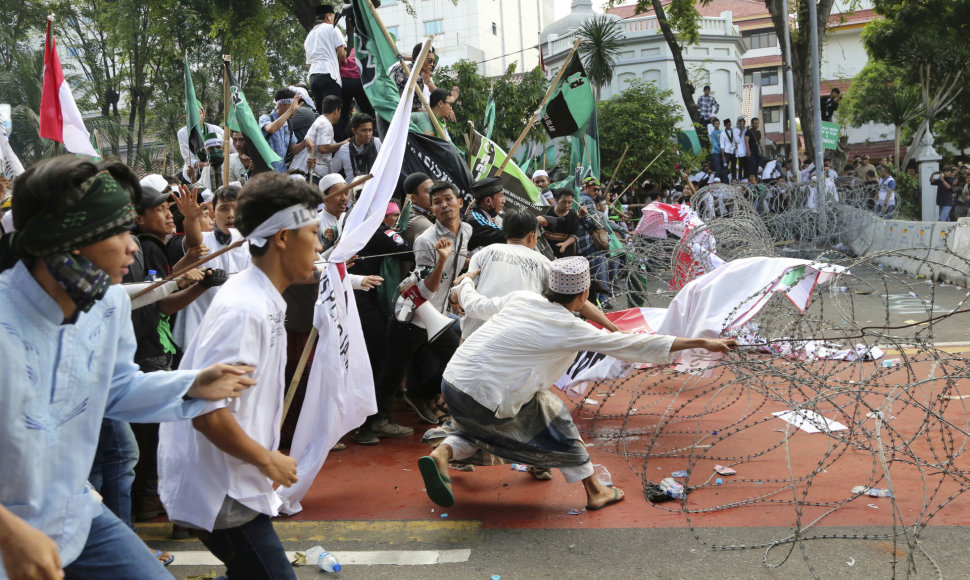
375 55
585 149
520 192
241 119
571 104
193 123
489 116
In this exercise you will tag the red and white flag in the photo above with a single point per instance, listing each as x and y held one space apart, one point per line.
60 118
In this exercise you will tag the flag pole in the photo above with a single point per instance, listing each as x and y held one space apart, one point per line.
226 59
639 174
618 163
535 116
298 372
407 70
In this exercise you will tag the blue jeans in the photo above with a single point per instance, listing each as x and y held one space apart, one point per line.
598 270
112 551
251 551
945 212
113 470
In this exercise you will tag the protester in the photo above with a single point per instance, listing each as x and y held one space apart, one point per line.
351 92
830 104
192 165
240 164
326 52
741 149
417 188
425 84
218 470
496 385
729 146
562 235
886 197
489 200
945 184
442 106
754 149
321 133
69 349
541 180
356 157
707 106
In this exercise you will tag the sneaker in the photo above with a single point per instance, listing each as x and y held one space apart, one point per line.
423 408
384 428
180 533
541 473
364 437
148 507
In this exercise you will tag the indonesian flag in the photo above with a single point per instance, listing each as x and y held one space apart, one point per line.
60 118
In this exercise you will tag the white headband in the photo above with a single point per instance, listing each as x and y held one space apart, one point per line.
292 218
284 101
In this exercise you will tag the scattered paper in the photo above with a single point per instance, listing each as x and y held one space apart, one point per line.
722 470
810 421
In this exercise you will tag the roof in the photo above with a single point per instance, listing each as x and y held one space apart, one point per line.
740 9
580 11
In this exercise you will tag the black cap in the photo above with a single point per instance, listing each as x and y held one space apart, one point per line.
486 187
152 198
324 9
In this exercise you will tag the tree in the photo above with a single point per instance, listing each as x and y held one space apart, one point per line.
645 117
599 45
801 57
680 26
879 95
924 40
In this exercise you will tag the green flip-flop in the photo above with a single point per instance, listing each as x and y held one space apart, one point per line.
437 483
616 497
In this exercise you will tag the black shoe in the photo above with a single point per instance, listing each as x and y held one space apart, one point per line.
364 437
423 408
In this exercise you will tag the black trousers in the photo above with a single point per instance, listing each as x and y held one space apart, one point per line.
404 340
321 86
351 90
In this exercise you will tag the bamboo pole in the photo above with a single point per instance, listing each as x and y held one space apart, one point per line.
191 266
298 373
407 70
639 174
618 163
226 59
535 116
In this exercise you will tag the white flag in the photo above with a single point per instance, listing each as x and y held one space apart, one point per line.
340 390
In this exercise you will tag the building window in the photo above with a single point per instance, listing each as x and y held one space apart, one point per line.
769 77
748 78
434 27
494 29
762 40
392 30
772 115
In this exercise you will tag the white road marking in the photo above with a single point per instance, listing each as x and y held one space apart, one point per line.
366 558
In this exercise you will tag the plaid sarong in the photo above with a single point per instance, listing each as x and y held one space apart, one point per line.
541 434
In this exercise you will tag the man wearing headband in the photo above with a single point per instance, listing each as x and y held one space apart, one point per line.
218 470
68 347
278 132
192 164
496 385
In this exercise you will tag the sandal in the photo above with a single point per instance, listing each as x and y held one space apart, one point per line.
616 497
340 446
164 557
436 483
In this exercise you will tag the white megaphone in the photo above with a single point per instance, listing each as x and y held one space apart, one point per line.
417 309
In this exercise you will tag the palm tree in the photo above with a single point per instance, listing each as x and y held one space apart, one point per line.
599 46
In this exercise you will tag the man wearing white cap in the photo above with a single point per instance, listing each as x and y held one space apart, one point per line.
541 179
496 384
218 470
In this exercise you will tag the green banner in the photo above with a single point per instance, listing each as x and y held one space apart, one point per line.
193 122
375 55
241 119
830 135
571 103
520 192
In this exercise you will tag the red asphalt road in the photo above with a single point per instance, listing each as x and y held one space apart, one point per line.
383 482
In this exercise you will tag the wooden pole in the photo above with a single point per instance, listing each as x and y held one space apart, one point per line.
639 174
407 70
618 163
298 373
535 116
191 266
226 59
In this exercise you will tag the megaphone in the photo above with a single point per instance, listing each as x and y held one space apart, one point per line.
417 309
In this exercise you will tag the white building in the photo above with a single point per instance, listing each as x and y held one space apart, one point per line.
492 33
738 55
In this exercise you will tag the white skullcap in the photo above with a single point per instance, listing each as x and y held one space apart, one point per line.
540 173
213 142
569 275
207 195
155 182
297 177
330 180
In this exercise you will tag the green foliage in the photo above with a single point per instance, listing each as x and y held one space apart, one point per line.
645 117
879 95
601 40
516 97
910 204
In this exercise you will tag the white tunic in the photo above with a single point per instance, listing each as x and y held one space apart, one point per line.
527 344
505 269
244 325
321 50
234 261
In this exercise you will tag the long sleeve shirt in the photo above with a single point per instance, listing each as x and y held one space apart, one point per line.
527 343
57 382
707 106
728 142
485 231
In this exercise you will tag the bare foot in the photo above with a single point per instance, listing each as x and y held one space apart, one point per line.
610 495
442 457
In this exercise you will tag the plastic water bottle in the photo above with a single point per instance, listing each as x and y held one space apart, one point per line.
322 559
672 488
152 276
879 492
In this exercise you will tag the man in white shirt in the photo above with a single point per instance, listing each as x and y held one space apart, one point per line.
774 169
729 145
321 133
192 165
218 470
239 163
741 149
325 51
886 197
496 385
